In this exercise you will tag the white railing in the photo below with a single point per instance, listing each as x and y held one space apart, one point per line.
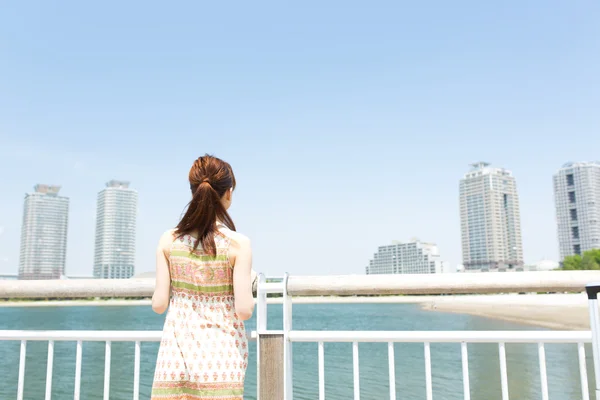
80 336
541 338
486 283
108 337
295 286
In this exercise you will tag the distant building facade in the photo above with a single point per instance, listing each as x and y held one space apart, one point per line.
414 257
490 220
44 234
114 256
577 200
543 265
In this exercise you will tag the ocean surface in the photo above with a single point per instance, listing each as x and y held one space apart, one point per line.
523 367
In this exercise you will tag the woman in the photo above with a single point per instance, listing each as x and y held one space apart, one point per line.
204 267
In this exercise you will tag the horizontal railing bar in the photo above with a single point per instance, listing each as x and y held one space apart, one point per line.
443 336
325 336
77 288
272 287
88 336
457 283
266 332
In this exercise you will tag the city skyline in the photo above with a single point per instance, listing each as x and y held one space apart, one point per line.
122 215
114 254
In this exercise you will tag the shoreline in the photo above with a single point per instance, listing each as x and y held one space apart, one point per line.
553 311
273 300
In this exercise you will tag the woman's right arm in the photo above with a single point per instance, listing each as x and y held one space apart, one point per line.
242 277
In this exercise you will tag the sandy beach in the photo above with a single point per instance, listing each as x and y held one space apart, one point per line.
554 311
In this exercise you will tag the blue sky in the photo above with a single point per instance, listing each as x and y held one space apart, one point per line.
348 123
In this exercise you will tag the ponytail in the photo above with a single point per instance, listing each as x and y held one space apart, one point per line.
205 208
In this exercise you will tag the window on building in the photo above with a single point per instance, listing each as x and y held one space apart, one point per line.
575 232
570 180
571 197
577 249
573 212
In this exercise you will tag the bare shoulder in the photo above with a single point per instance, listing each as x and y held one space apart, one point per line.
166 240
238 240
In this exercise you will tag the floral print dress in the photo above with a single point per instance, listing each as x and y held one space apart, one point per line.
203 353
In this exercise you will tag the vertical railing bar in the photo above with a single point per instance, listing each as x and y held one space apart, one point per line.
22 359
392 370
107 360
585 391
261 324
321 371
592 290
49 367
288 387
503 370
428 383
136 372
78 370
356 371
543 375
465 370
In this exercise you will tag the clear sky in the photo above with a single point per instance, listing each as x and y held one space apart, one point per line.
348 123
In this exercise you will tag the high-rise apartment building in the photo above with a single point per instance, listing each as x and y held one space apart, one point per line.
577 198
44 234
490 219
414 257
114 257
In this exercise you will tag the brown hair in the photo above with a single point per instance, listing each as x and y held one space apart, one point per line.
210 178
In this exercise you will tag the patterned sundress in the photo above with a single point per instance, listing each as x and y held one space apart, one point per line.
203 353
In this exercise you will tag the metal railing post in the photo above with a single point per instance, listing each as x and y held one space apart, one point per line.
592 290
287 344
269 349
261 325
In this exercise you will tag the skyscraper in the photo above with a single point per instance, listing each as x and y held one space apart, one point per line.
114 257
44 234
414 257
577 198
490 219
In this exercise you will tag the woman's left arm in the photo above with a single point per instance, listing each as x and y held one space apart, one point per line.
162 290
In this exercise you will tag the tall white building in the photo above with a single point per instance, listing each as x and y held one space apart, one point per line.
114 257
414 257
44 234
577 198
490 219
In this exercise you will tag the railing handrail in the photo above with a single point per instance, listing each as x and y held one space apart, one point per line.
77 289
442 336
87 336
456 283
342 285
